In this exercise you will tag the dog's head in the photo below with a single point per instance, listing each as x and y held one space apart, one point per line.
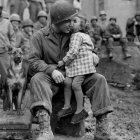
17 55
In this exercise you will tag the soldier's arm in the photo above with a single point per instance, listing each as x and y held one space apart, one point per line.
37 64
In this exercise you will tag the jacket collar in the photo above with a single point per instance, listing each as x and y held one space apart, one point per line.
50 34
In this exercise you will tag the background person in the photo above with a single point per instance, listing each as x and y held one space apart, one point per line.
42 21
133 27
7 40
114 33
96 33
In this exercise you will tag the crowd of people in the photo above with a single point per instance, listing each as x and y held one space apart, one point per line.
101 30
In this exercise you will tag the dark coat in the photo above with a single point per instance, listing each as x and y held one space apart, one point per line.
48 48
113 30
131 26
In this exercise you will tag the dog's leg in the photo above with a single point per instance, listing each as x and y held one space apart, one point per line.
10 98
20 95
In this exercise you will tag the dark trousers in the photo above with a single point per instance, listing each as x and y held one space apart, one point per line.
123 43
95 86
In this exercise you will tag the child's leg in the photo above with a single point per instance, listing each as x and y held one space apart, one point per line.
67 92
76 86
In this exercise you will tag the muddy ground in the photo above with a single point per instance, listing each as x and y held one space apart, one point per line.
124 121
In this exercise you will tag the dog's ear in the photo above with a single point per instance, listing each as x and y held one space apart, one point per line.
10 49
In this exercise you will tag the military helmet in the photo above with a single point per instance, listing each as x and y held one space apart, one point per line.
137 13
42 14
61 10
5 15
26 23
113 18
102 13
94 18
15 17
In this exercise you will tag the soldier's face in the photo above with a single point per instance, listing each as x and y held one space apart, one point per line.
138 18
64 27
103 17
43 20
15 24
94 22
28 30
113 22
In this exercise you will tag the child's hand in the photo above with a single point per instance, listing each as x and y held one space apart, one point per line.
60 63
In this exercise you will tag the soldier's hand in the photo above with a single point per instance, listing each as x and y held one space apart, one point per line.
58 76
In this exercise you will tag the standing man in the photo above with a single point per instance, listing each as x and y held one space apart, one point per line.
34 8
49 47
27 30
103 22
15 21
133 27
96 33
114 33
7 40
42 20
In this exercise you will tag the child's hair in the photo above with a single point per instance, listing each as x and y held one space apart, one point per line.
84 24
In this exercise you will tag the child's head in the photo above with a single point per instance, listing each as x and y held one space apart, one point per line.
80 24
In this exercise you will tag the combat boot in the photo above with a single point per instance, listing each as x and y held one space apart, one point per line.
103 130
44 125
127 55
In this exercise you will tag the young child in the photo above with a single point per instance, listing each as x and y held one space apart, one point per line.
79 62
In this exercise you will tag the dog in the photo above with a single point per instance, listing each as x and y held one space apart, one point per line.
16 80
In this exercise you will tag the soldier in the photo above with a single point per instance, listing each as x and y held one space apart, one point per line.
114 33
15 21
27 28
50 46
34 7
103 21
133 27
96 33
7 40
27 32
42 20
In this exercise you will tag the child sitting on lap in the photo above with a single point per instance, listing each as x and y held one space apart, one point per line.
79 62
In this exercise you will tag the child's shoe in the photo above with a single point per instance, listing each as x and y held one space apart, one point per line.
77 118
65 112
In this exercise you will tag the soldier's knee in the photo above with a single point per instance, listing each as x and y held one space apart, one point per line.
101 78
123 40
35 78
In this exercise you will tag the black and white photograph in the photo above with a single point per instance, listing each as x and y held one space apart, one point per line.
69 69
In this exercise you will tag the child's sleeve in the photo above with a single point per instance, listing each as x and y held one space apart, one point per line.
75 43
96 59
